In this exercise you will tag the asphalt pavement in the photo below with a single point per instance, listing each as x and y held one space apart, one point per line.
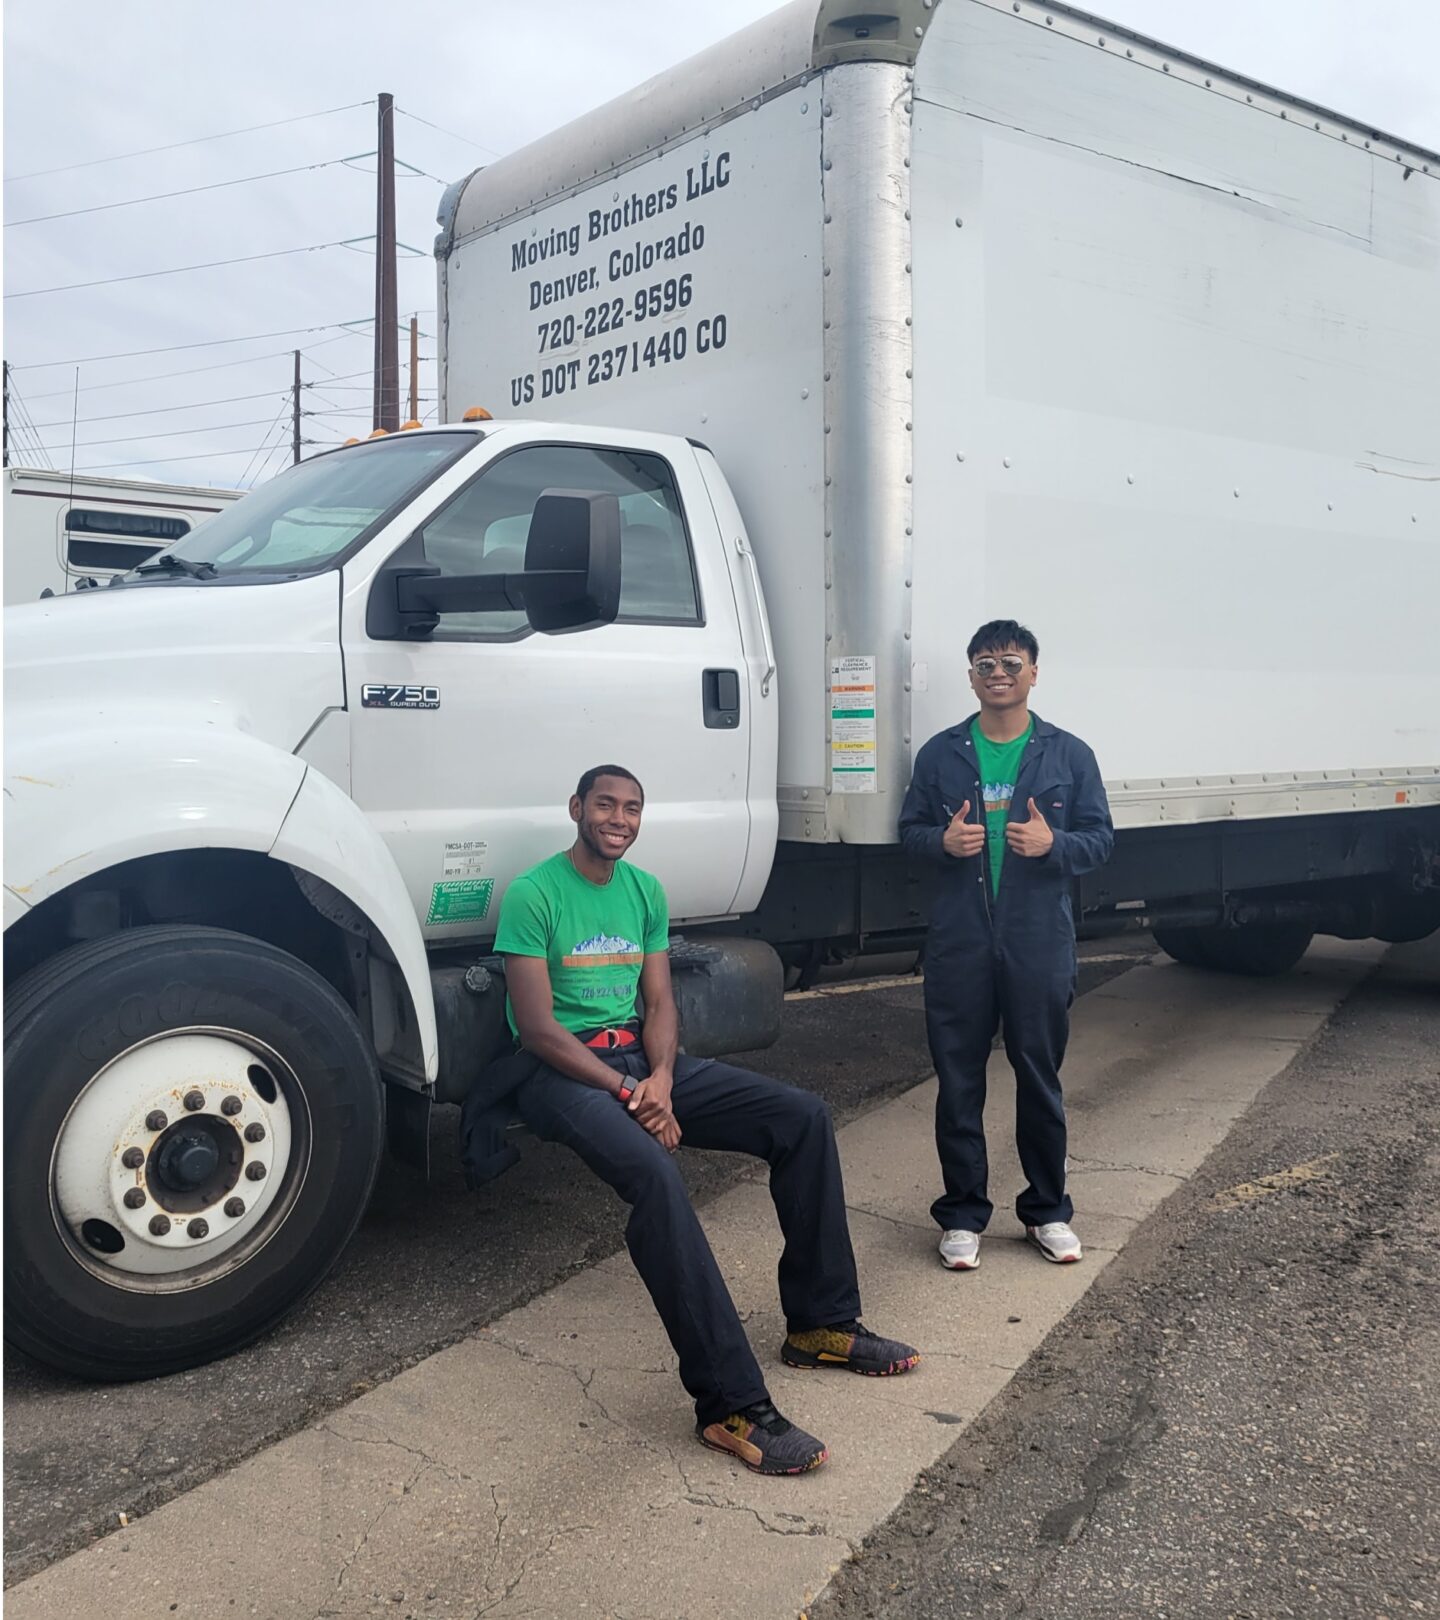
1242 1417
430 1265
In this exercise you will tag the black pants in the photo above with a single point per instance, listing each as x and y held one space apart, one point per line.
717 1106
963 1008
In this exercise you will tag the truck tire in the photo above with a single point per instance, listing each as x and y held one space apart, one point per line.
193 1124
1258 950
1185 945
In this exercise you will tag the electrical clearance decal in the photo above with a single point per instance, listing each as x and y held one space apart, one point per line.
852 724
462 895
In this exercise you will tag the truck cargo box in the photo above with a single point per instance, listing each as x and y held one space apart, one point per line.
994 309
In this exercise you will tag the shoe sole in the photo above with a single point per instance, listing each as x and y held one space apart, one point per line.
960 1265
1055 1259
808 1361
759 1467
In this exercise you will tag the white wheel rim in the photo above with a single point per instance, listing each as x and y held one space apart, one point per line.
199 1128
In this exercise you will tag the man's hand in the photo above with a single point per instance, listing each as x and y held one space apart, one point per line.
963 837
1032 837
650 1104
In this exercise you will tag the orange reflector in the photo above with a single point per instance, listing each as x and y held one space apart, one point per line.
406 426
350 441
477 413
379 433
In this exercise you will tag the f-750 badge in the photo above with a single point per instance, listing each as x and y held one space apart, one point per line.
381 695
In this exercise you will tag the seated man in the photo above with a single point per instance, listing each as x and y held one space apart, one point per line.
580 934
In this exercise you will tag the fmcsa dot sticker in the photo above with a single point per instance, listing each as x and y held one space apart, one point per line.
459 900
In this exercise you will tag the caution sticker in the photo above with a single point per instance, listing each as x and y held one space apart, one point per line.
459 900
853 752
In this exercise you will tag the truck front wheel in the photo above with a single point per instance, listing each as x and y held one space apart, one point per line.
193 1126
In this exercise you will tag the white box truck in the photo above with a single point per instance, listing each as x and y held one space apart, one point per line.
850 333
63 533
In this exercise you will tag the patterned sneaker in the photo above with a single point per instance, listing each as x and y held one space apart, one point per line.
1055 1241
764 1441
850 1345
960 1251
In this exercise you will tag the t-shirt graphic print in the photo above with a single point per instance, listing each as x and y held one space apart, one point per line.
999 767
594 937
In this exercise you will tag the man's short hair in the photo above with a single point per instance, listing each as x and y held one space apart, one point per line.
593 775
999 634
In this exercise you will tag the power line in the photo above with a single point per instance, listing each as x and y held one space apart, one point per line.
164 196
164 461
174 433
404 113
224 135
284 401
181 269
161 410
194 371
172 348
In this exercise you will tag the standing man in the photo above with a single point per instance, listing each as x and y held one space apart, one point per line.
1009 810
585 936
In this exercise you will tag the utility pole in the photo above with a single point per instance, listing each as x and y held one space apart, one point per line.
295 414
386 411
414 369
6 459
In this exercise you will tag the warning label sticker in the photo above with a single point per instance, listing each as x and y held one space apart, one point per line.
465 859
459 900
853 751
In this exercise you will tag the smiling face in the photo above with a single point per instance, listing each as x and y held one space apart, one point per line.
608 819
1001 677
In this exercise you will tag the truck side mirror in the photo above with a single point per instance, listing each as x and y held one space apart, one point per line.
572 561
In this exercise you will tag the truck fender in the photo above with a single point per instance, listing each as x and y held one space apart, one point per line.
78 802
327 835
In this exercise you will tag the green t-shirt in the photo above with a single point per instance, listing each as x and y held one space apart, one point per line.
999 766
595 937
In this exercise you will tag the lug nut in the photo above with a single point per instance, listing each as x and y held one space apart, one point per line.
231 1105
234 1208
135 1198
132 1158
159 1225
199 1227
255 1171
255 1132
194 1101
155 1120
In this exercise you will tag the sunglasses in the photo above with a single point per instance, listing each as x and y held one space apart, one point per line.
1011 663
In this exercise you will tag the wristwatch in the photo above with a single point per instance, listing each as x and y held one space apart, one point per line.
627 1089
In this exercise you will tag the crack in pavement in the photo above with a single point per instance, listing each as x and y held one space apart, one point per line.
894 1220
1134 1169
526 1564
1066 1523
327 1612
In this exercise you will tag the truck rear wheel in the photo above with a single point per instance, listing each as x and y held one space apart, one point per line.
1257 950
193 1126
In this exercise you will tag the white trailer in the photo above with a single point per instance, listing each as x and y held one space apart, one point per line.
60 531
921 316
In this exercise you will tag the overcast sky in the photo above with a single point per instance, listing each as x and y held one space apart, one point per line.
86 81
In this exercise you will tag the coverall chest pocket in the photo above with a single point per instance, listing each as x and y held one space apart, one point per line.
1052 799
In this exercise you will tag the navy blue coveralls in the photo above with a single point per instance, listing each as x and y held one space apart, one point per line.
1006 960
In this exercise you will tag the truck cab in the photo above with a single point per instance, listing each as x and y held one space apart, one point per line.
265 789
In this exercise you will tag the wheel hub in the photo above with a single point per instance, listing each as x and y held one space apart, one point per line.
194 1163
172 1154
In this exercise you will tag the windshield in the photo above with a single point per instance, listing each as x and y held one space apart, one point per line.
305 519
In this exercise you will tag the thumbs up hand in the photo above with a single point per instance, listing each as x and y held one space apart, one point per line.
963 837
1033 837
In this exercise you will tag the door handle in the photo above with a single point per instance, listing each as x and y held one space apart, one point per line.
720 698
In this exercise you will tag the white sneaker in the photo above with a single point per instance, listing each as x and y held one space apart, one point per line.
960 1251
1056 1242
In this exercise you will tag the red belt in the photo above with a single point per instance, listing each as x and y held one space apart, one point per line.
610 1040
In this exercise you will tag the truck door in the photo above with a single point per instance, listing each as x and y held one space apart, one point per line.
466 745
